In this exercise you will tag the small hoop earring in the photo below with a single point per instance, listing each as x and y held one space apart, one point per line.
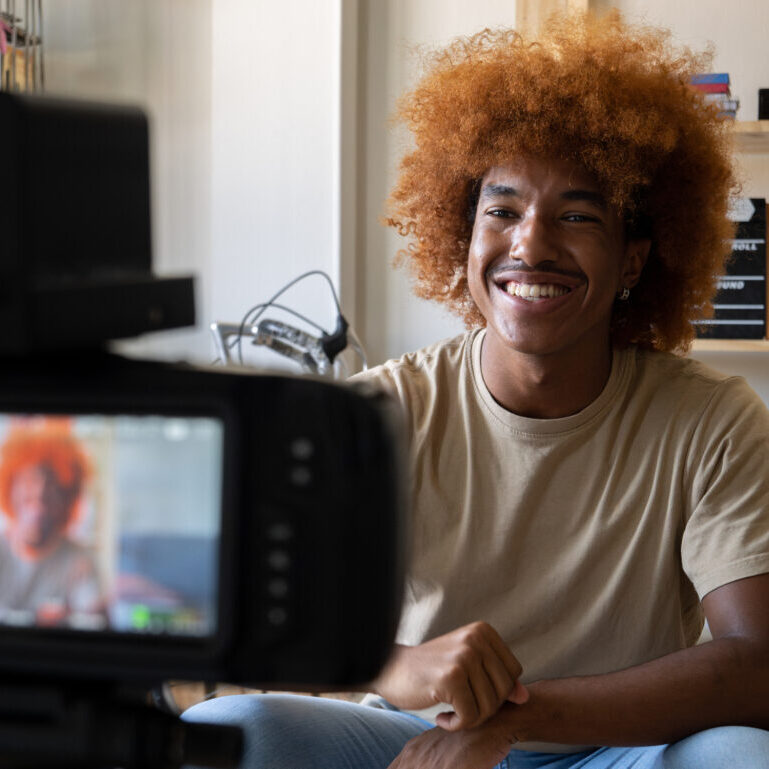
624 295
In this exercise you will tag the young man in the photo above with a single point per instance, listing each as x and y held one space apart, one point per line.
582 496
43 572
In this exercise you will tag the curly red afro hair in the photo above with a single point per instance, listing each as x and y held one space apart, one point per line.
614 98
50 443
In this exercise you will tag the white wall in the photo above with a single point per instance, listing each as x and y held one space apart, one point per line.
737 29
275 154
157 54
244 99
392 320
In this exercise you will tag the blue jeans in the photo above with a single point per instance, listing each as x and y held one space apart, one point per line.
285 731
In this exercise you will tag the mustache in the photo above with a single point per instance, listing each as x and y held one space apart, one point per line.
544 267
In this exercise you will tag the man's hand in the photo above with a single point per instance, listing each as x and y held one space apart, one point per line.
471 669
480 748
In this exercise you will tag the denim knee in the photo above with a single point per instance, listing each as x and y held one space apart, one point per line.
724 747
266 721
299 732
237 709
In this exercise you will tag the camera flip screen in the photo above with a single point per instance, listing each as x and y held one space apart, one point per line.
111 523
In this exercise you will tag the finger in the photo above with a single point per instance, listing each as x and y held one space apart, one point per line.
520 694
480 686
505 655
466 707
449 721
490 689
501 681
465 713
490 680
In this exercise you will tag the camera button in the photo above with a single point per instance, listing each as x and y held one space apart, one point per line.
277 588
301 476
302 448
277 616
280 532
279 560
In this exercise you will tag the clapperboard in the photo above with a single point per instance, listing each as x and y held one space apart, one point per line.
740 303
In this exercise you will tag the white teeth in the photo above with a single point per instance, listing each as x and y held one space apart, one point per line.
535 291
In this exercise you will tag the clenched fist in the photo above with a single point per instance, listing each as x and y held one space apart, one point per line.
470 668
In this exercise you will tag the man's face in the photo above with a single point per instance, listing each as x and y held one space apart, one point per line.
547 257
41 507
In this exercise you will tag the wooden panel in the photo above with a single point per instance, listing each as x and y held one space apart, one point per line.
15 63
751 136
529 14
732 345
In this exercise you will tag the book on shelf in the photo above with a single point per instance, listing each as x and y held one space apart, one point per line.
710 77
740 302
712 87
722 100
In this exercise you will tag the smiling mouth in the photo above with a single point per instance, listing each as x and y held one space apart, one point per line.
534 292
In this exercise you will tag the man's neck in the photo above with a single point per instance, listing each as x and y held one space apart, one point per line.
544 386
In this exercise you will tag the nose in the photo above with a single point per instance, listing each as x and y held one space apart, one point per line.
533 242
33 494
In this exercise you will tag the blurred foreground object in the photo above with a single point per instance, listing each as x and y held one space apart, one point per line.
21 45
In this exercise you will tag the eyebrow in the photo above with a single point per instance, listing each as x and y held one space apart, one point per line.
498 190
589 196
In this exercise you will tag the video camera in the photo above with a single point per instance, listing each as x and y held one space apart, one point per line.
232 525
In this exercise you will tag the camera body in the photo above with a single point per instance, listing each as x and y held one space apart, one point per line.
241 526
300 567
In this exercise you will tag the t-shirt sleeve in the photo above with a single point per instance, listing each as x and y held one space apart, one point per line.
379 377
392 379
726 535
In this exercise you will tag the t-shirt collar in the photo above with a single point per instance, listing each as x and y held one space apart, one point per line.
621 371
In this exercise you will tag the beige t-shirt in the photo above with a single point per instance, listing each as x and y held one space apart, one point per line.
65 580
586 541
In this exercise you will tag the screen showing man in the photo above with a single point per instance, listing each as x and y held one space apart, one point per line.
45 573
112 522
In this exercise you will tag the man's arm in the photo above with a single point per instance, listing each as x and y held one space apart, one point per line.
724 681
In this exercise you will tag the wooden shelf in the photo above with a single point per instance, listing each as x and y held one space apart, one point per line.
731 345
751 136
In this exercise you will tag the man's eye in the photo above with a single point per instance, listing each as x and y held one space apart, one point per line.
503 213
580 218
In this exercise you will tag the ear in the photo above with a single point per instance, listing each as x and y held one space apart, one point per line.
636 254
